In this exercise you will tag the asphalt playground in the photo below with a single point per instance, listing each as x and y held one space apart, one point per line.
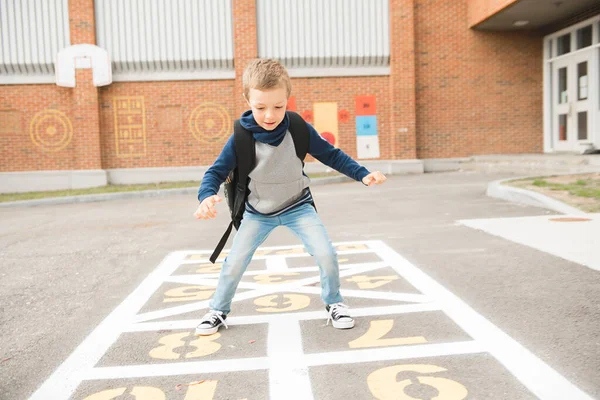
456 295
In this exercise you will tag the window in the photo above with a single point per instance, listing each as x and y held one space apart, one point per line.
563 44
584 37
582 81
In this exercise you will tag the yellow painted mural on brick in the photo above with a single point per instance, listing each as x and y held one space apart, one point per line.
130 126
51 130
210 123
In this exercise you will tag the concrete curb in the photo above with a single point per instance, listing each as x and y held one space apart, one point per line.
498 190
88 198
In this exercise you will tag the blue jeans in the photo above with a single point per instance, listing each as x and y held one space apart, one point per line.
306 224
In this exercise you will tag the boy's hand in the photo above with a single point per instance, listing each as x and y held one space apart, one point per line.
206 209
374 178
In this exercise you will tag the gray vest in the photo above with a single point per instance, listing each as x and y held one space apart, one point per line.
277 180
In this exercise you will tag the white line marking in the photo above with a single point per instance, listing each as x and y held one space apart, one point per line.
276 264
287 247
394 353
370 294
258 363
172 369
262 257
288 376
300 316
537 376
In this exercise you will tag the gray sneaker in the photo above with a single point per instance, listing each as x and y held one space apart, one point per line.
211 322
338 315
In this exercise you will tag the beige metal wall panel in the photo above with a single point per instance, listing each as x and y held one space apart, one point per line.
167 39
318 36
31 34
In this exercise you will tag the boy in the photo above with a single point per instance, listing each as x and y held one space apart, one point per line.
278 193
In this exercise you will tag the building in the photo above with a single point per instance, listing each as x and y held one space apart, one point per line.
406 80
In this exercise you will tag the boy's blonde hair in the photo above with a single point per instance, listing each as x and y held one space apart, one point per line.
265 73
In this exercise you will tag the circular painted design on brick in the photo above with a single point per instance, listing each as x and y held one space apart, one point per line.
51 130
343 116
210 123
329 137
570 219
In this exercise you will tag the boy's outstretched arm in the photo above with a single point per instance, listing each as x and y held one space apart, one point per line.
213 178
335 158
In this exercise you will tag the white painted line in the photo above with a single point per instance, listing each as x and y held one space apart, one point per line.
299 316
394 353
288 247
262 257
63 382
288 376
370 294
173 369
538 377
578 242
276 264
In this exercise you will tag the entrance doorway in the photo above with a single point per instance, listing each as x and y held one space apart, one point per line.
572 83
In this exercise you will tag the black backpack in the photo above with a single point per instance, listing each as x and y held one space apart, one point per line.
236 184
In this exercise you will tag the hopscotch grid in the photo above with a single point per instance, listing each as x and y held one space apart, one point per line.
487 338
263 290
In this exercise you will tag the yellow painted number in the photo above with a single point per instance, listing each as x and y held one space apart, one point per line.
377 330
350 247
371 282
384 386
205 390
290 302
188 293
204 345
270 279
209 268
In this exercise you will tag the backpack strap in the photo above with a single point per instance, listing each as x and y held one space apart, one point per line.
300 134
301 137
245 154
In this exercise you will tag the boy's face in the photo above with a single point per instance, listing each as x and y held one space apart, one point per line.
268 106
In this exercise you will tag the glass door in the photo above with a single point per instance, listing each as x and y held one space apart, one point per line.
571 106
582 101
562 130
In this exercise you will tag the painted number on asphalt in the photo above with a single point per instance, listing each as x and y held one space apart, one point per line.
371 282
204 390
377 330
384 386
204 345
278 278
188 293
282 302
209 268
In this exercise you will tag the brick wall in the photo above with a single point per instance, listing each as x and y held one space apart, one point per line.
477 92
452 92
